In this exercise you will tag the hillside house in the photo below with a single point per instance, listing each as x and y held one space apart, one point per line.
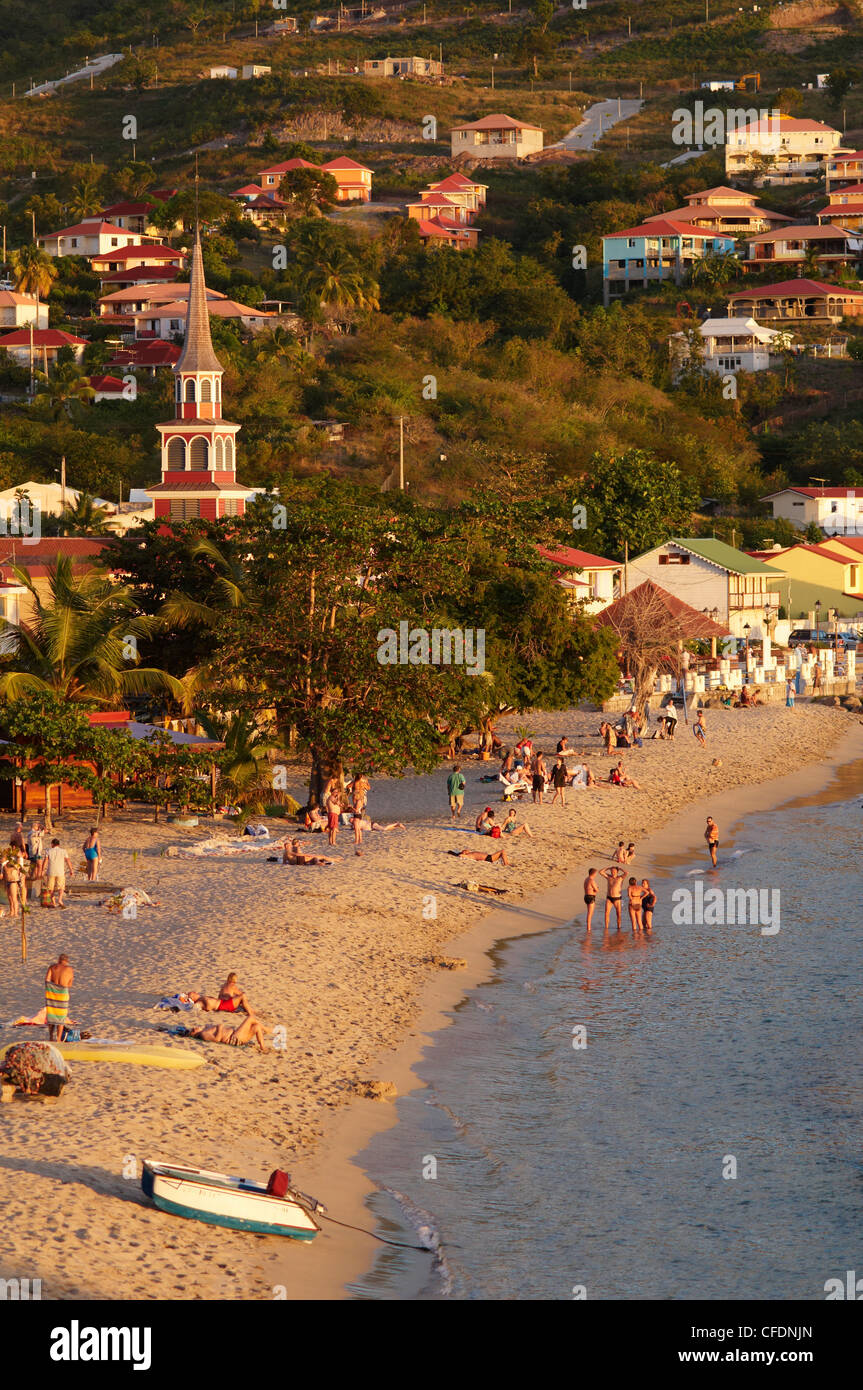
169 320
43 344
711 576
656 251
402 67
138 298
831 245
837 510
727 345
461 189
253 70
270 178
797 301
728 210
496 137
815 564
782 149
441 206
434 232
354 180
16 310
843 168
222 70
132 217
90 237
145 355
136 256
845 208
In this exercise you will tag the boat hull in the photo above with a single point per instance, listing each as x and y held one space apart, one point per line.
218 1200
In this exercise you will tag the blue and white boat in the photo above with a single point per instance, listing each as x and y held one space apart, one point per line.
221 1200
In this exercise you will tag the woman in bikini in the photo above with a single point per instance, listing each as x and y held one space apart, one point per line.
482 858
509 826
248 1031
648 903
635 893
12 880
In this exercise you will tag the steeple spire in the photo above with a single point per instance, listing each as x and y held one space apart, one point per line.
198 354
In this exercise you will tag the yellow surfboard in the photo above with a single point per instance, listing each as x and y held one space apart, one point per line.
139 1056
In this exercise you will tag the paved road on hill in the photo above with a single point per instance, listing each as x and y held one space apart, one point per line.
596 121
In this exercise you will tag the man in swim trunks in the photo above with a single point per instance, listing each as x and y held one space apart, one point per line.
538 782
248 1031
613 889
591 888
711 835
292 854
699 729
58 982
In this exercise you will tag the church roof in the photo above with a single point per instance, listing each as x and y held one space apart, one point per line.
198 354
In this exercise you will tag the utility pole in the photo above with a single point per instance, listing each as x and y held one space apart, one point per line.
401 453
492 78
629 25
640 90
626 567
570 79
63 482
32 374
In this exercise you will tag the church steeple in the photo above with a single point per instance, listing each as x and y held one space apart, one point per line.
198 354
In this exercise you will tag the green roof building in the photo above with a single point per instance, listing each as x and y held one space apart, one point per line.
731 587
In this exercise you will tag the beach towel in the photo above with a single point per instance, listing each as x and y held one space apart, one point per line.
56 1004
177 1003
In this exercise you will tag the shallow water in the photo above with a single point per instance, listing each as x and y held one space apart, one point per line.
602 1166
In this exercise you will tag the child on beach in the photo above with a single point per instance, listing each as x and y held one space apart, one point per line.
699 730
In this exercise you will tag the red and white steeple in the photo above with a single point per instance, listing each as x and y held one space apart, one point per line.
198 447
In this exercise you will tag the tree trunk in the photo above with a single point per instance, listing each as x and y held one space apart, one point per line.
49 824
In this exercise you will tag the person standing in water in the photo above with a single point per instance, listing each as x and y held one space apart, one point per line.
92 853
591 888
635 893
613 889
711 835
648 903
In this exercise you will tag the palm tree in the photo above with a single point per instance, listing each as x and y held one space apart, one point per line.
81 641
33 272
715 269
336 281
246 771
86 197
63 392
85 518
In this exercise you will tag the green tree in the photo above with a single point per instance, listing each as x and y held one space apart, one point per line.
637 499
839 83
63 391
84 518
308 190
33 271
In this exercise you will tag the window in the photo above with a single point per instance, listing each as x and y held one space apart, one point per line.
206 391
630 241
229 454
184 509
190 390
229 506
175 328
176 453
674 558
199 452
220 454
115 241
73 241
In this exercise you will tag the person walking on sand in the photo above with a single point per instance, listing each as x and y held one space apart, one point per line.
711 835
57 866
538 784
699 730
635 893
591 888
58 982
455 785
789 694
93 854
648 903
613 889
360 788
559 780
12 874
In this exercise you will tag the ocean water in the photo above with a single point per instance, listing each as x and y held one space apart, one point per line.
711 1049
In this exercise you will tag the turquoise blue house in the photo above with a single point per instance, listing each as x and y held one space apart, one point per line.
658 250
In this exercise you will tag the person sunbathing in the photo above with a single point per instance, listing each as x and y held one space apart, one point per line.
292 854
485 821
478 855
620 778
231 999
509 826
315 819
248 1031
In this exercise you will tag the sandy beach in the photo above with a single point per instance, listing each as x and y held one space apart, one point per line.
338 958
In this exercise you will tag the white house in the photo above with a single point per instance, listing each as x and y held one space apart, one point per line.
589 579
729 345
780 148
496 137
90 237
223 70
168 320
16 310
727 584
256 70
837 510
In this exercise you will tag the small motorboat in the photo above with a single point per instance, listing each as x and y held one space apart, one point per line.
276 1209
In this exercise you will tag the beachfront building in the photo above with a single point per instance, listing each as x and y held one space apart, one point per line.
496 137
780 149
90 237
591 581
198 446
16 310
656 251
731 586
729 210
402 67
816 564
727 345
797 301
837 510
830 245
